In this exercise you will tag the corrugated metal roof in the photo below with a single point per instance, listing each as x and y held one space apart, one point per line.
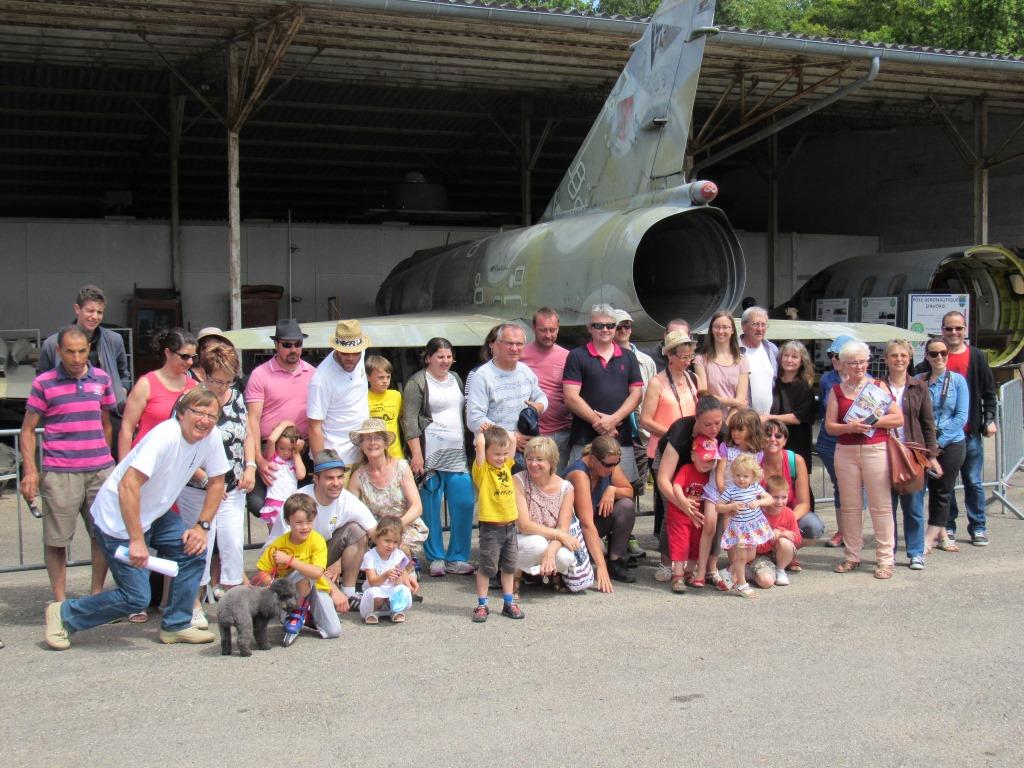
382 87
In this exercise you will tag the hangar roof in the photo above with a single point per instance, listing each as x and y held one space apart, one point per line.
371 89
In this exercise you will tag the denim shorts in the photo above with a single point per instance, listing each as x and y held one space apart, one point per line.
499 548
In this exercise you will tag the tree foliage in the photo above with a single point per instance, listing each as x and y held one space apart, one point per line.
995 26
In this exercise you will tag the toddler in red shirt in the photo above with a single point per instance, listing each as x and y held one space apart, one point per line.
769 569
684 514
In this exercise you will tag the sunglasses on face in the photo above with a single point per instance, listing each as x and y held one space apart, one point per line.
187 358
610 465
938 353
953 328
603 326
625 325
290 344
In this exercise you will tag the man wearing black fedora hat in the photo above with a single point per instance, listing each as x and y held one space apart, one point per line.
338 401
277 391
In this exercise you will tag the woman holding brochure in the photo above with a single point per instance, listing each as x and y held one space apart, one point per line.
859 413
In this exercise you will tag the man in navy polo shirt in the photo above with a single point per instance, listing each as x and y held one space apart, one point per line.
602 386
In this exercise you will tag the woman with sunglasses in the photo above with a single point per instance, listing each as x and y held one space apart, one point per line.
670 395
603 500
791 467
152 399
726 372
918 427
950 400
862 463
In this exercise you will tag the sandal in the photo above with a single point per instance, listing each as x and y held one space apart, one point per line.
139 618
743 590
397 618
716 578
696 583
884 572
678 585
846 566
947 545
371 619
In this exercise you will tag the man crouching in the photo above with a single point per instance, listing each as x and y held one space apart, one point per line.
132 510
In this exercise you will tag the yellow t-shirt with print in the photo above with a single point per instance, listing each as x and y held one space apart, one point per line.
387 405
313 551
495 494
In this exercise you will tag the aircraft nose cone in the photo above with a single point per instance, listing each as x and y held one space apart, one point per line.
704 191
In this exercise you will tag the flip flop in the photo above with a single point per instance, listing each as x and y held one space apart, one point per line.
397 618
139 618
371 619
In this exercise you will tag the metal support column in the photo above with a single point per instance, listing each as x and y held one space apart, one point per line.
176 109
525 168
234 205
981 170
773 218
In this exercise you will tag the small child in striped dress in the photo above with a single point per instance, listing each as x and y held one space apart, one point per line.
741 502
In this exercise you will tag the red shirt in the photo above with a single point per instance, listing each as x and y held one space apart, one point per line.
844 403
783 521
959 361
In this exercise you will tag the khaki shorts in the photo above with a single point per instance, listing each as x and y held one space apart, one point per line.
66 495
345 536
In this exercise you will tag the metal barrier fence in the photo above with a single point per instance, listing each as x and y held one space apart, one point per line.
1009 440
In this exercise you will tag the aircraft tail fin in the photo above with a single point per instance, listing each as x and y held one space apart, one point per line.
639 139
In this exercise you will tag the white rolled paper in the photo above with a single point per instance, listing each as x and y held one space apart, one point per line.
155 564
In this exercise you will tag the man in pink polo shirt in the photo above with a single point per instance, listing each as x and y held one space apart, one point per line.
73 400
277 391
546 358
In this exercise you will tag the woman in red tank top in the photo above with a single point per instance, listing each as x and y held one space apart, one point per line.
862 464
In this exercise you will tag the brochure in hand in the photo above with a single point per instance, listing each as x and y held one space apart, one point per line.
871 405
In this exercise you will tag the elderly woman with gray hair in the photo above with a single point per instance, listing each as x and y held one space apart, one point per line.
862 462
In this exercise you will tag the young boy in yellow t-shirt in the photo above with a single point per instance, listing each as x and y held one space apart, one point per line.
300 555
496 497
385 403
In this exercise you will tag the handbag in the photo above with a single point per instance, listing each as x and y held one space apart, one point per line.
580 575
907 464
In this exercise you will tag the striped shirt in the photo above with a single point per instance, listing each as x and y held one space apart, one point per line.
71 410
748 495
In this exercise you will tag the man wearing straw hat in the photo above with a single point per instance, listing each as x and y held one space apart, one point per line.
337 401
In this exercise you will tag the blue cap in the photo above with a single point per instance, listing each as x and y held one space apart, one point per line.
839 343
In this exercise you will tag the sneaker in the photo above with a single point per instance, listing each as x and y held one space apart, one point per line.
979 539
951 535
199 620
480 614
56 634
295 620
354 600
781 579
437 568
663 574
512 611
917 563
191 635
619 571
458 568
634 549
836 541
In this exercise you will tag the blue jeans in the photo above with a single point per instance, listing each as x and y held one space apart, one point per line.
827 454
913 521
132 593
457 489
810 526
974 494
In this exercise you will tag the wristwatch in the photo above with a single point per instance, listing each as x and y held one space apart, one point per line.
204 525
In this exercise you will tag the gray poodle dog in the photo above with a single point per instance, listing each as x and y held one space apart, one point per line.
248 610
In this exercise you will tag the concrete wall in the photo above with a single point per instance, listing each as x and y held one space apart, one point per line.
46 261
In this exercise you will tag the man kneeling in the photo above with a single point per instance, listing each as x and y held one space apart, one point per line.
772 557
132 510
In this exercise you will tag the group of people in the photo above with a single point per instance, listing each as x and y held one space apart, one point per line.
562 441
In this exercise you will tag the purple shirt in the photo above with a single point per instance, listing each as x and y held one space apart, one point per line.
71 410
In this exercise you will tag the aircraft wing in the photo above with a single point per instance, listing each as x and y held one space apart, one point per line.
872 333
410 330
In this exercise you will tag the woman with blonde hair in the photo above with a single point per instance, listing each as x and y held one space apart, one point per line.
793 398
862 463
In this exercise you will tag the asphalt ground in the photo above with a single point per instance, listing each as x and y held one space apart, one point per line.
834 670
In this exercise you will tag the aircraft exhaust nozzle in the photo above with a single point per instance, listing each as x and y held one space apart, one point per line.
703 192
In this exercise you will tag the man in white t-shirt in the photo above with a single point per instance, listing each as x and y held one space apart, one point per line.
763 357
338 401
132 510
341 518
